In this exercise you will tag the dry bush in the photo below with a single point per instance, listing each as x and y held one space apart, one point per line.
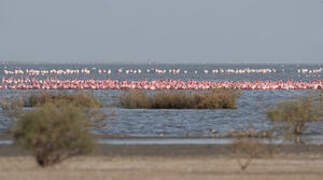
213 99
293 115
54 132
245 150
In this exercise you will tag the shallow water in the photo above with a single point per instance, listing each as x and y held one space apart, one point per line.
191 141
251 110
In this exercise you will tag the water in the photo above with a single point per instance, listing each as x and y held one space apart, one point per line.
251 110
318 140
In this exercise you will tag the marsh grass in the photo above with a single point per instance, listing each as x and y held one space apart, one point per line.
293 115
35 100
213 99
78 99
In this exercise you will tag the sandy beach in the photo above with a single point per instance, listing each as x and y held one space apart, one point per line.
167 162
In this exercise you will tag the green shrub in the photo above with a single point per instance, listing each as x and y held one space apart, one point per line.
294 114
55 132
78 99
214 99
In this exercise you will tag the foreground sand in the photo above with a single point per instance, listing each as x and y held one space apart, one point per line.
170 162
24 168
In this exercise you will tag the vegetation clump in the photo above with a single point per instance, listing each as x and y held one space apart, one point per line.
39 99
213 99
294 114
56 131
78 99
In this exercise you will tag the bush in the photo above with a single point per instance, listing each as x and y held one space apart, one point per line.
214 99
78 99
53 133
294 114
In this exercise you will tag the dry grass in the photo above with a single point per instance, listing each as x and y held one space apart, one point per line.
214 99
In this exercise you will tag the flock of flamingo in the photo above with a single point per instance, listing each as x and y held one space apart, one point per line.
27 79
48 84
35 72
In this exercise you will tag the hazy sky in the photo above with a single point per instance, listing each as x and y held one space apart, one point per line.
166 31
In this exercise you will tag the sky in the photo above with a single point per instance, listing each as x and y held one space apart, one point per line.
162 31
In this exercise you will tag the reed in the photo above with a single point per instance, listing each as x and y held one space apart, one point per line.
213 99
78 99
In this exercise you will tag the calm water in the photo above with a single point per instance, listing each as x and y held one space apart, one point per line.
141 122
